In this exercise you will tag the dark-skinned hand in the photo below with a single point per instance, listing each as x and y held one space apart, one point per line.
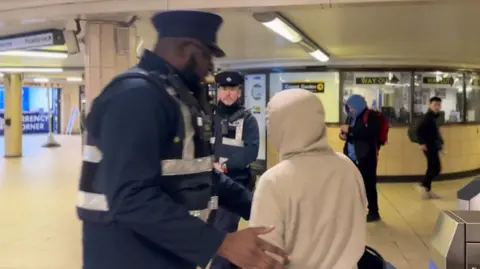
247 250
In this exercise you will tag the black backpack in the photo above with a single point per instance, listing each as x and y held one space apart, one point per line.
371 259
412 132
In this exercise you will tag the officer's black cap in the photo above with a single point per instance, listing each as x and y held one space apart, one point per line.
199 25
229 78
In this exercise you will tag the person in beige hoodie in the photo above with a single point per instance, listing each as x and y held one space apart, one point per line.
314 197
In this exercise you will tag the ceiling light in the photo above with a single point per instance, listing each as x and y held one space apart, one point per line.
319 55
74 79
30 70
41 80
283 29
34 20
38 54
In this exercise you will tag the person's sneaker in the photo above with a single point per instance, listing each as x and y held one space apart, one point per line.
373 217
433 195
426 195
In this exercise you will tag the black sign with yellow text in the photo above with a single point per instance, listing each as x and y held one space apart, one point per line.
371 80
438 80
315 87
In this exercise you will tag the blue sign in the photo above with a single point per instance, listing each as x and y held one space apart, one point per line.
33 122
25 97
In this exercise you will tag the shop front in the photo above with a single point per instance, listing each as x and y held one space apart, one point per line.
35 106
402 96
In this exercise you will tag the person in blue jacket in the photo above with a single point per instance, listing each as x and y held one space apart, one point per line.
235 144
147 183
362 148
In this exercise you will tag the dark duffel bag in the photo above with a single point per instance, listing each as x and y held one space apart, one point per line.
371 259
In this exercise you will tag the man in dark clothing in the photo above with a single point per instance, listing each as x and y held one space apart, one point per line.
431 143
361 148
147 185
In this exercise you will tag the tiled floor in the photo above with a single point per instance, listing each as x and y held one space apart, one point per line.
39 229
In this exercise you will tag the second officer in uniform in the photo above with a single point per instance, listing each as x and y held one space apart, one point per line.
235 144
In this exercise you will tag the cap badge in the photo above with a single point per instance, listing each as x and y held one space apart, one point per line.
229 79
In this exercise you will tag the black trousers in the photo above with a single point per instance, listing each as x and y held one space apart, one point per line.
368 169
433 168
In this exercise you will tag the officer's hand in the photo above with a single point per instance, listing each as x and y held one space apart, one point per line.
246 250
423 147
343 136
218 167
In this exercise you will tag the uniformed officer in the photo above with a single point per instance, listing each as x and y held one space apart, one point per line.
147 176
235 144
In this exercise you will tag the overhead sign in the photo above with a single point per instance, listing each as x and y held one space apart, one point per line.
438 80
32 40
371 80
315 87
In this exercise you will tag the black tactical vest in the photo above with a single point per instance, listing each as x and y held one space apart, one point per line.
187 167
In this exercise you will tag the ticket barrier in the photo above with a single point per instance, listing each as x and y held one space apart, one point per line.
456 240
469 196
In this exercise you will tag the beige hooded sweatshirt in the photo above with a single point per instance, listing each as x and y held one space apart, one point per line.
314 196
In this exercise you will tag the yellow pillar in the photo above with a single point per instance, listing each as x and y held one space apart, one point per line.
13 115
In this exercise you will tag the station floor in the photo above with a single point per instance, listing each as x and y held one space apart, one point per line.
39 228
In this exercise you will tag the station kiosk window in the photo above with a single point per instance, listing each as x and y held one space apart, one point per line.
447 86
388 92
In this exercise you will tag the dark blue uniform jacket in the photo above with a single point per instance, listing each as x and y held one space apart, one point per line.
133 121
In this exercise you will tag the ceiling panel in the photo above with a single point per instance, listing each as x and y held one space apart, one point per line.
437 32
428 33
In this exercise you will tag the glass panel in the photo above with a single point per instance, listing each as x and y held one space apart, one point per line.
255 95
447 86
388 92
473 98
325 85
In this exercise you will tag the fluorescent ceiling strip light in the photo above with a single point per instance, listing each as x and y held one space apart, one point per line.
37 54
281 28
30 70
74 79
319 55
41 80
33 20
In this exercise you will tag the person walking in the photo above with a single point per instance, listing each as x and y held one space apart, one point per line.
431 144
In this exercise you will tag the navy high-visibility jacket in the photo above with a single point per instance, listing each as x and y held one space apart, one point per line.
146 184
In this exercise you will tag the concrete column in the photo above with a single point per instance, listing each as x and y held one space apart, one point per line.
13 115
70 101
109 50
